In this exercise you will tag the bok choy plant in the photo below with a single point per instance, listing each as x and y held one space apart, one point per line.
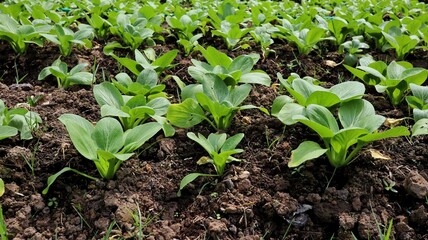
392 79
212 101
66 78
306 91
132 30
20 36
418 101
143 60
17 120
359 124
231 71
65 38
220 150
105 143
131 110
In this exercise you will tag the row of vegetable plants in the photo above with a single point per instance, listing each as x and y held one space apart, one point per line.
401 27
136 108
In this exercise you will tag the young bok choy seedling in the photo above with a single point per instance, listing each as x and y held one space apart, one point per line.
392 79
360 126
106 144
220 150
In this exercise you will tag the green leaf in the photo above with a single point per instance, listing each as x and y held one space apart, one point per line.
288 113
279 103
393 132
52 178
166 59
106 94
1 187
80 131
107 110
306 151
108 135
323 116
82 78
7 131
137 136
348 90
243 63
420 127
323 98
232 142
359 113
256 77
190 178
215 57
201 140
186 114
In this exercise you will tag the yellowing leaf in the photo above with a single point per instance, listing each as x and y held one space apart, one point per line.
378 155
392 122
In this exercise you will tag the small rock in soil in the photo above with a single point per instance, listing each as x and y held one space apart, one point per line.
284 204
217 226
419 216
416 185
346 221
102 223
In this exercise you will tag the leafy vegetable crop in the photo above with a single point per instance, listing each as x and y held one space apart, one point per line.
67 78
105 143
392 79
220 150
360 126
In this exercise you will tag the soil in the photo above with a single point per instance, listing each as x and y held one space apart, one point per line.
258 198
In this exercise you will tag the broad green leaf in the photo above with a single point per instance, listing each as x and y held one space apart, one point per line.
82 78
419 114
216 141
107 94
372 71
393 132
215 57
359 113
215 88
345 138
52 178
190 178
323 98
232 142
288 112
7 131
238 94
305 88
243 63
420 127
256 77
201 140
137 136
323 116
80 131
279 103
165 60
108 135
306 151
1 187
348 90
394 70
108 110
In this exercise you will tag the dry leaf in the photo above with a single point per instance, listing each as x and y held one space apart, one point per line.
378 155
392 122
331 63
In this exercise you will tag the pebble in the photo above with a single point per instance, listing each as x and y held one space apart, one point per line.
416 185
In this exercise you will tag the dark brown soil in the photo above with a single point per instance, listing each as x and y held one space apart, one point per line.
259 198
